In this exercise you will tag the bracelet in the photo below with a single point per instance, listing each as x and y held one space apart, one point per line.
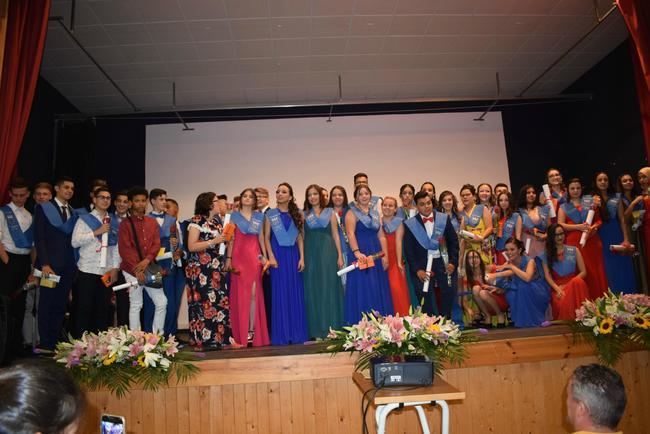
228 257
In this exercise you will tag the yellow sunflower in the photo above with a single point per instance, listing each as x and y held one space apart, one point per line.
109 360
641 322
606 326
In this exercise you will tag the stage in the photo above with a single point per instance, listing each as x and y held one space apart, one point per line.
514 381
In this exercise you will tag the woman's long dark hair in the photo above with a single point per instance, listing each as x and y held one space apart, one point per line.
604 212
321 201
635 189
511 206
454 204
252 191
469 270
38 396
551 247
203 204
345 196
491 199
294 212
521 199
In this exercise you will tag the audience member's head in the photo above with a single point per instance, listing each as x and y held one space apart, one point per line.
39 397
595 399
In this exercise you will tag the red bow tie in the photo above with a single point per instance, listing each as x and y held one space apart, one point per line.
427 219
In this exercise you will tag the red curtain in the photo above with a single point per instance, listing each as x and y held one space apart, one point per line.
637 17
24 43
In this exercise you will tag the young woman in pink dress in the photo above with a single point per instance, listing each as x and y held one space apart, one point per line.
247 312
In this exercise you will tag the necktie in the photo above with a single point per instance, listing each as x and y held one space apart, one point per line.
64 211
427 219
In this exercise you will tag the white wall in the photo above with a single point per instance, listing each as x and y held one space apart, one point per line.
449 149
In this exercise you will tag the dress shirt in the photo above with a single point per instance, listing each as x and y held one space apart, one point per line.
428 225
148 234
65 208
90 249
24 221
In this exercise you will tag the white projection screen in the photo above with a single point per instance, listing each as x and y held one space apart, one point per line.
449 149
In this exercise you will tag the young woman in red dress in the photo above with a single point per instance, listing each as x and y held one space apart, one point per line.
564 271
394 231
572 217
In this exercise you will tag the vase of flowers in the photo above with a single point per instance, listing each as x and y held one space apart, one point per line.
397 338
119 357
612 322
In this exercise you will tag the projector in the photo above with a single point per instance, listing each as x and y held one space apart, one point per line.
416 372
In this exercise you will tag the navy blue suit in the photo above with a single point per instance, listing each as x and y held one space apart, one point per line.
416 257
53 248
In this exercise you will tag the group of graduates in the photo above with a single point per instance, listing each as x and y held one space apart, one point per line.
255 275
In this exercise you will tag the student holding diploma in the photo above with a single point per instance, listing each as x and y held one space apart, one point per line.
394 232
367 288
339 203
91 298
424 236
247 309
284 247
477 223
564 271
558 191
508 225
618 267
534 220
323 288
573 216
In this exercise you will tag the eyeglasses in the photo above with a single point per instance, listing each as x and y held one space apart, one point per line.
559 234
103 197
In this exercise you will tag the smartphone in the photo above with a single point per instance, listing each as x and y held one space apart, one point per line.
111 424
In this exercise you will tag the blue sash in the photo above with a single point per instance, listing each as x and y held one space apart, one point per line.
370 220
561 198
455 222
285 237
403 213
638 207
53 216
164 230
612 205
22 240
252 227
568 265
374 200
475 218
392 225
576 215
420 233
318 222
508 229
94 223
527 222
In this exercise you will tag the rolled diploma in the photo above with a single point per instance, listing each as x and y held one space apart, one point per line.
104 250
347 269
467 234
506 256
590 218
621 248
549 198
425 287
52 277
527 245
222 246
166 255
125 285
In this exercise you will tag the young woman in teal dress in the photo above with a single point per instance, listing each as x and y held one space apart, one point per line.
618 267
339 203
366 289
323 289
284 247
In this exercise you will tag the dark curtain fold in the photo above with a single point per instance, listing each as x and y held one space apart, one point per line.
637 17
24 43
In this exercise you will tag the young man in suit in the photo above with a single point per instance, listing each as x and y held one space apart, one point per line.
53 225
16 242
424 235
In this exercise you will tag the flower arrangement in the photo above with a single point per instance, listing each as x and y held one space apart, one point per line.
612 321
119 357
417 334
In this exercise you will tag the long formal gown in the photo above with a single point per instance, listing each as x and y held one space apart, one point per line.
343 239
592 252
368 289
528 300
399 289
618 268
246 291
323 288
565 272
505 228
531 220
635 227
288 322
474 223
207 291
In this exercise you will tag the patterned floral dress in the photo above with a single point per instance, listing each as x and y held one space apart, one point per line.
207 295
